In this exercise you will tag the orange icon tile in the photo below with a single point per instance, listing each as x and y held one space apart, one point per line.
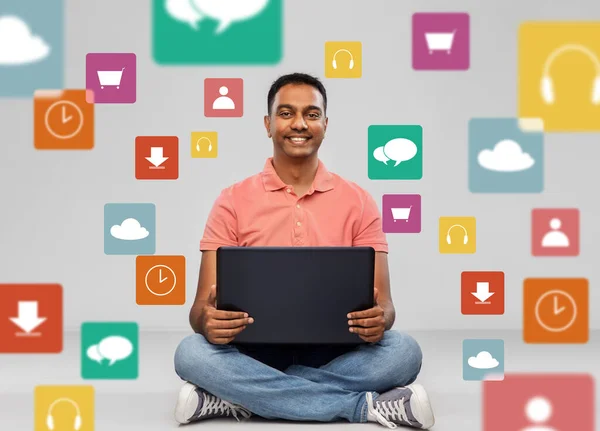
556 310
31 318
482 292
160 280
63 120
157 157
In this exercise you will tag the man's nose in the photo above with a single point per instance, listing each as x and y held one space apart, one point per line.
299 123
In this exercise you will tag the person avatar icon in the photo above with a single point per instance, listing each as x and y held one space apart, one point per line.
555 237
539 411
223 102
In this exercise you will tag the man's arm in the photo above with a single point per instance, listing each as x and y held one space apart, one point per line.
382 283
207 277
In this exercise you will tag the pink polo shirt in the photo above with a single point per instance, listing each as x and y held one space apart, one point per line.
263 211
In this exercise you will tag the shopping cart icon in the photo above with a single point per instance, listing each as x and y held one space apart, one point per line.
440 41
401 213
110 78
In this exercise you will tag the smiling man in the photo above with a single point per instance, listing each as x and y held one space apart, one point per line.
296 201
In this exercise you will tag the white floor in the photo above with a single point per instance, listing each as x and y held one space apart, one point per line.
147 403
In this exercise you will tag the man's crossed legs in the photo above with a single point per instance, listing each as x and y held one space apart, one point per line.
368 383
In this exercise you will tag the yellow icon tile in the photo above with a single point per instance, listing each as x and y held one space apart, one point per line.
204 145
457 235
64 408
343 59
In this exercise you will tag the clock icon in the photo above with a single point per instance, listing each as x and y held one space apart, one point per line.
556 310
64 119
160 280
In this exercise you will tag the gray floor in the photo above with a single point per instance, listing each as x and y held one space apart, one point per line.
147 403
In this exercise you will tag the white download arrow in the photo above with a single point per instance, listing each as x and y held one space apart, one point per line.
483 292
28 318
156 156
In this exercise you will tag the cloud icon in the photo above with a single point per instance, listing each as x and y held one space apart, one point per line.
18 45
507 156
129 230
483 361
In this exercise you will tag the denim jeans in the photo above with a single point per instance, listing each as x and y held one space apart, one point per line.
300 383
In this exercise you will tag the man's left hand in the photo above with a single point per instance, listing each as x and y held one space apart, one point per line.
368 324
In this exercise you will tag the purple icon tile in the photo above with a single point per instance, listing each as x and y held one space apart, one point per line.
401 213
111 77
440 41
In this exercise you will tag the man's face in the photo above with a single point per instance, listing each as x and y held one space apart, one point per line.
297 123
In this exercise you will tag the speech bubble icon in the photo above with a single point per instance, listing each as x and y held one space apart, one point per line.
228 11
380 155
115 348
183 10
400 150
94 354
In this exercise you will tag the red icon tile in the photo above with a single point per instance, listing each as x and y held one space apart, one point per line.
157 157
482 292
223 97
555 232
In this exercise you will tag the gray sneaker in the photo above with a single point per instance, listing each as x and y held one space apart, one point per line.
407 406
194 404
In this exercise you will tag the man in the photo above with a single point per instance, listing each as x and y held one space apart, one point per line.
295 201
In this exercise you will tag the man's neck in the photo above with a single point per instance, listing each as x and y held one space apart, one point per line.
296 172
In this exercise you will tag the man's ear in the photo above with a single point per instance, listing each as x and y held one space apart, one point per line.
326 122
268 125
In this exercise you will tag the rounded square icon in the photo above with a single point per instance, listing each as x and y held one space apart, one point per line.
555 232
540 402
482 292
204 145
157 157
395 152
160 280
236 32
129 228
506 155
111 77
401 213
31 318
556 310
440 41
109 350
223 97
64 408
343 59
483 359
457 235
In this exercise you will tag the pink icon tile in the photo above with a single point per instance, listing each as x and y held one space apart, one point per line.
111 77
223 97
401 213
555 232
530 402
440 41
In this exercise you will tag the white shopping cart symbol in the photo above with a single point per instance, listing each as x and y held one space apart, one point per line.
440 41
401 213
111 78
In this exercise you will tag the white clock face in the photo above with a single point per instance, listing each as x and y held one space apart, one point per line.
64 119
160 280
556 311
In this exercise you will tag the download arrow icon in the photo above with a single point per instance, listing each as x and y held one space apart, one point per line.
483 292
156 156
28 318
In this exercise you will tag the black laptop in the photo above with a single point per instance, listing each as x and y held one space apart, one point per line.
296 295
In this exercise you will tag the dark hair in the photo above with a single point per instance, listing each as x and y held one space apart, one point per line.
295 78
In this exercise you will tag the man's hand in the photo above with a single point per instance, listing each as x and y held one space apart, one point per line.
220 326
368 324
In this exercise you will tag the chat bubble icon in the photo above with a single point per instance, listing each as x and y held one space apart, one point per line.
228 11
115 348
379 155
184 10
400 150
94 354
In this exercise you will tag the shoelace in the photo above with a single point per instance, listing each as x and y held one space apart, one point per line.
214 405
392 409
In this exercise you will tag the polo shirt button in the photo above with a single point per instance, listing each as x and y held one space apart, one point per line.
298 223
289 191
297 205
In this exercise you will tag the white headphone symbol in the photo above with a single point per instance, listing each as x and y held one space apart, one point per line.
209 144
50 419
547 87
350 66
449 240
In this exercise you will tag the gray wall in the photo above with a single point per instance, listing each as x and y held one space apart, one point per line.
51 203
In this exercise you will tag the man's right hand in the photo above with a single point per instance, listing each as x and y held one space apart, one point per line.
220 326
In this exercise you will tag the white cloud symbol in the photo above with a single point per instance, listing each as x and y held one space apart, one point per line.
507 156
18 45
483 361
129 230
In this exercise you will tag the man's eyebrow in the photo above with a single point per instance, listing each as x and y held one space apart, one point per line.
308 108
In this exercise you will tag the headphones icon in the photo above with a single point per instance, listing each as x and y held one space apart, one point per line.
547 86
50 419
449 240
209 143
350 66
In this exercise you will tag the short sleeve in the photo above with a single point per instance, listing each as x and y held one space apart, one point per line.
221 225
370 231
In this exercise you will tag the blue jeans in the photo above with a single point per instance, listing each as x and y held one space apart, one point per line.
307 383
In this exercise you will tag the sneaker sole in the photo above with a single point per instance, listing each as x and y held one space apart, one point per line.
424 410
184 395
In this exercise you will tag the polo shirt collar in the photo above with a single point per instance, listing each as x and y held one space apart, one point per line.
323 179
